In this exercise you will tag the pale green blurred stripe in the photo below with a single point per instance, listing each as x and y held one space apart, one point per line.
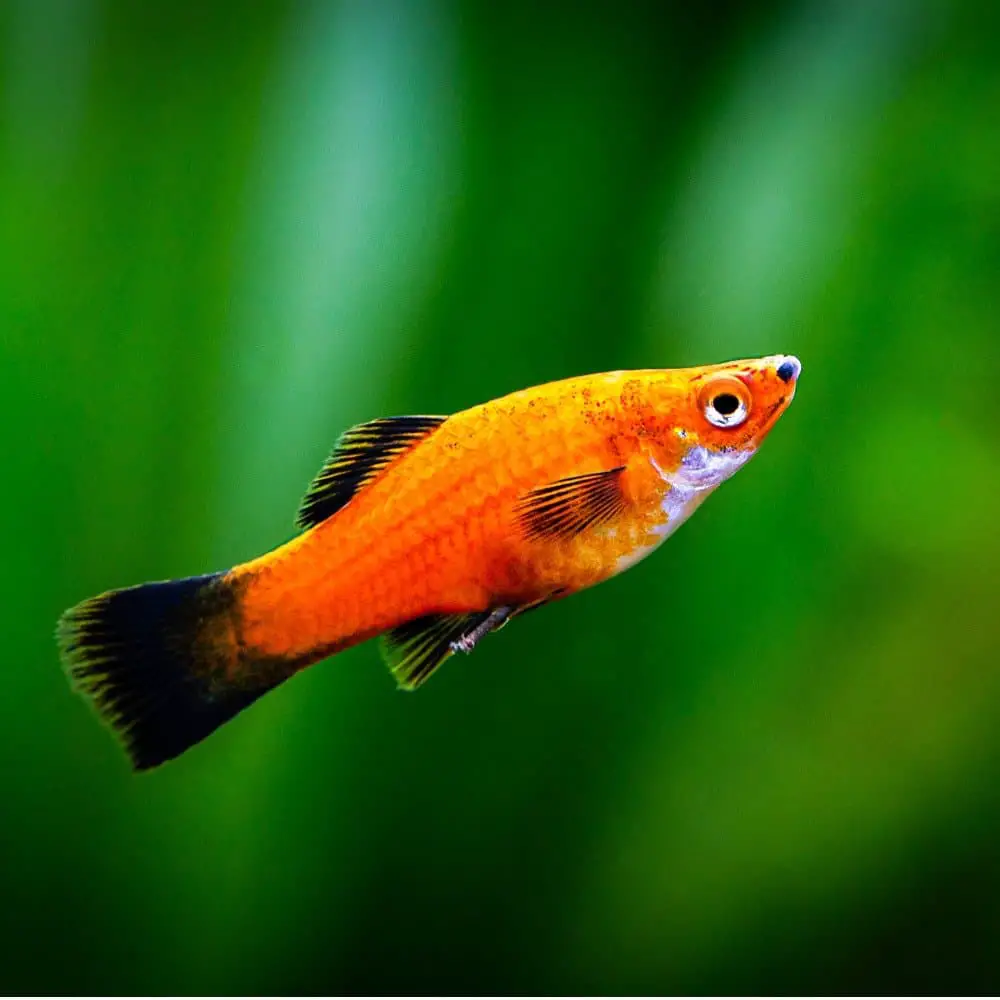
753 238
345 220
352 201
44 78
777 180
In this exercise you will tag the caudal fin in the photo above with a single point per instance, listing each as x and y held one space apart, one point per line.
157 662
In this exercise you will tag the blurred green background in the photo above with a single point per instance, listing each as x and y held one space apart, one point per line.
766 759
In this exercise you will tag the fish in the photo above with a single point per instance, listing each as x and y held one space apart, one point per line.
431 532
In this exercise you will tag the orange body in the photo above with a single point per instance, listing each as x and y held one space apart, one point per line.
433 531
439 530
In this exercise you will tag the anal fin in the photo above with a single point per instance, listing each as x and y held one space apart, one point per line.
415 649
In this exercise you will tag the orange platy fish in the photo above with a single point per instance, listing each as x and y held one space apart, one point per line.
432 532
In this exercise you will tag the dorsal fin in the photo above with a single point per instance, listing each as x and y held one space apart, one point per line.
359 456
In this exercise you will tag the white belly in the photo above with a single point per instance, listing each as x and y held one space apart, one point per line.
700 473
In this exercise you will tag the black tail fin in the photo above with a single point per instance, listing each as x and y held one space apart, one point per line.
157 663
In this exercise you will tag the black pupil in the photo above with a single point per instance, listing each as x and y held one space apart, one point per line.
726 403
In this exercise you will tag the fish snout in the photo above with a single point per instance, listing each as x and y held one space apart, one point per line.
788 369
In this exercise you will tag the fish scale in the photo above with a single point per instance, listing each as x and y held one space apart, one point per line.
437 533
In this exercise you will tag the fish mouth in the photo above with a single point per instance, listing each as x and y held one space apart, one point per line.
788 368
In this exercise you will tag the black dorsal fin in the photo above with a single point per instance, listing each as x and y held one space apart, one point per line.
568 506
359 456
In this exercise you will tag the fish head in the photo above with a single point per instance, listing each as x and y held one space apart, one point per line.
719 415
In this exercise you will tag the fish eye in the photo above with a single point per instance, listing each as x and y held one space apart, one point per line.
725 402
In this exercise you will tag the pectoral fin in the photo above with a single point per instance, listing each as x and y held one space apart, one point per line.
568 506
